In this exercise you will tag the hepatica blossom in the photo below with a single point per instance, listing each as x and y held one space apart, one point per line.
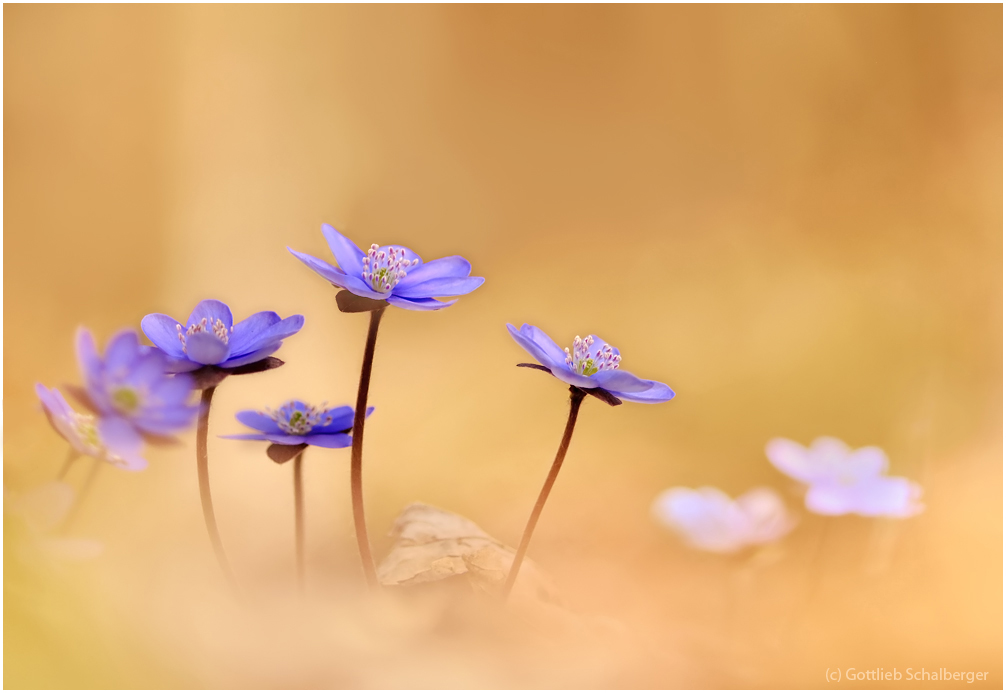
211 338
709 519
131 393
591 365
82 432
393 274
298 423
842 481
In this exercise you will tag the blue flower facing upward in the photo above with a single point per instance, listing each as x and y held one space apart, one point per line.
212 344
392 274
131 393
593 366
296 425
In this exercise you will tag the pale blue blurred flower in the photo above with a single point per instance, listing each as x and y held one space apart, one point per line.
708 519
842 481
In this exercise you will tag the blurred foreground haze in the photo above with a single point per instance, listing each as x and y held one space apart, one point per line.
792 215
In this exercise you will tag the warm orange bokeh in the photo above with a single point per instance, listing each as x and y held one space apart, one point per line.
792 215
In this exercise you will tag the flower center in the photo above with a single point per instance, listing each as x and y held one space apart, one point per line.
586 360
85 427
126 400
383 270
218 329
297 419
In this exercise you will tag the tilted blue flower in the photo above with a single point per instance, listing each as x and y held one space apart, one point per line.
210 337
393 273
593 364
82 432
130 391
298 423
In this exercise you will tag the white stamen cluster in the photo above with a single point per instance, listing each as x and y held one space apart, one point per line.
297 422
218 328
383 270
583 362
87 430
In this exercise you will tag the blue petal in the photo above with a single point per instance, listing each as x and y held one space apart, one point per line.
206 348
162 330
120 437
212 310
545 343
122 350
346 253
337 277
625 385
176 365
258 421
252 357
172 390
447 286
247 330
342 420
454 266
419 303
245 436
87 355
570 378
330 440
548 356
285 439
247 342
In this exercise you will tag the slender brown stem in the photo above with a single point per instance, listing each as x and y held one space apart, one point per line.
298 516
575 399
71 457
88 482
203 468
356 465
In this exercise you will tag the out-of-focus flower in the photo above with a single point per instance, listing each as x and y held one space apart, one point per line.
299 424
843 481
42 511
710 520
393 273
81 431
593 364
131 393
210 337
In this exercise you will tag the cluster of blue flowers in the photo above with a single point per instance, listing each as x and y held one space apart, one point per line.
136 394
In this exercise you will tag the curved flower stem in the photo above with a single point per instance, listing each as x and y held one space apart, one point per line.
203 469
356 465
71 457
88 482
298 516
576 396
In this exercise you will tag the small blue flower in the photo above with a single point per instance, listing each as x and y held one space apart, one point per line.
297 423
130 391
843 481
82 431
592 365
210 337
393 273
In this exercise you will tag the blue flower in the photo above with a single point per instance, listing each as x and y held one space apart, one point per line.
297 423
593 366
83 431
842 481
393 273
711 520
131 393
210 337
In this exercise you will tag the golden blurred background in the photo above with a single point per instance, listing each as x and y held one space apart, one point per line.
790 214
